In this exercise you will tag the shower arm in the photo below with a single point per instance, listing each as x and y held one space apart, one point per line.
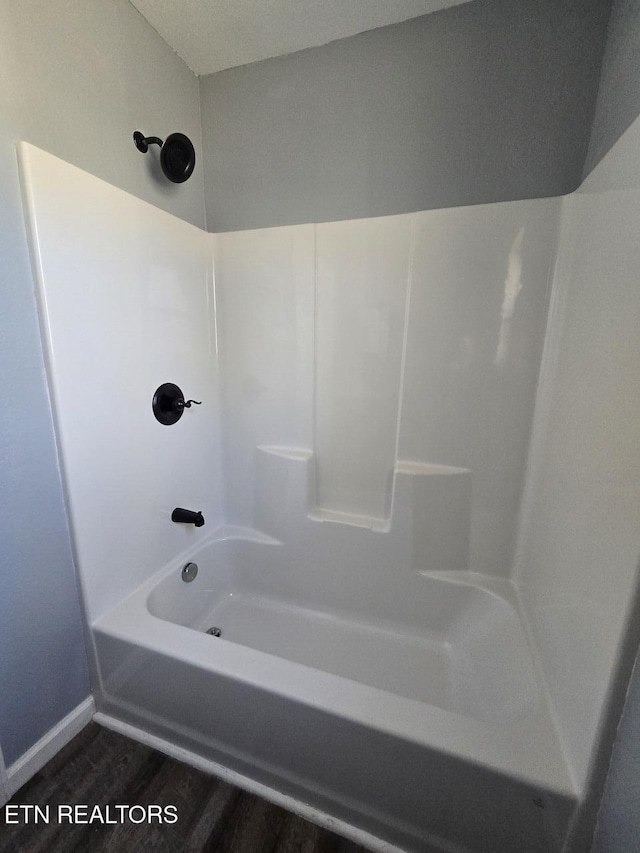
177 154
143 142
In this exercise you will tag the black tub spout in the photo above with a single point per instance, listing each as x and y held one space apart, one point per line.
187 516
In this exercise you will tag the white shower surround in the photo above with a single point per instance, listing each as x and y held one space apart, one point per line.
377 556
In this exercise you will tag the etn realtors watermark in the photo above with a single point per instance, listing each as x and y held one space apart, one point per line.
80 813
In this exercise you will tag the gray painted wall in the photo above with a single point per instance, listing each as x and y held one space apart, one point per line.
488 101
618 102
78 77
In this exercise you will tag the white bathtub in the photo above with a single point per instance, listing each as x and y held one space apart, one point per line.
416 721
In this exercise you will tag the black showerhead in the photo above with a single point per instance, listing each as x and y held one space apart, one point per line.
178 157
177 154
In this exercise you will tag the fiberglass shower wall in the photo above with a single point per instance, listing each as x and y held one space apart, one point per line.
475 290
577 562
388 342
126 298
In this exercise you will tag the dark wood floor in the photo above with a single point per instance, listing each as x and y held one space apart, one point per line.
102 768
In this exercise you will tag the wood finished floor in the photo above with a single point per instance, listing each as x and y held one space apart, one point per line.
104 768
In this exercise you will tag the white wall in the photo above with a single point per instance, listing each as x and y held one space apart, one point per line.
78 77
363 275
580 544
265 305
617 107
318 352
127 301
480 281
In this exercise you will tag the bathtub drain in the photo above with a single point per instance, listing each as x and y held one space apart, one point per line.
215 632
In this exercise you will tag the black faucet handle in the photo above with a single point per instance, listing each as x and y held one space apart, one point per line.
169 404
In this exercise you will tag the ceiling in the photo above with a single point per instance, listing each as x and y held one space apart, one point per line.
211 35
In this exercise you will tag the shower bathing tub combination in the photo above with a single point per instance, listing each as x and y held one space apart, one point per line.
356 631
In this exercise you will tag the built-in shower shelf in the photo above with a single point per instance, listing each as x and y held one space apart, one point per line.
380 525
429 523
295 454
428 469
502 587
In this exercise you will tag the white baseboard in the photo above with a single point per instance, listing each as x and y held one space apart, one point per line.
4 782
43 750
